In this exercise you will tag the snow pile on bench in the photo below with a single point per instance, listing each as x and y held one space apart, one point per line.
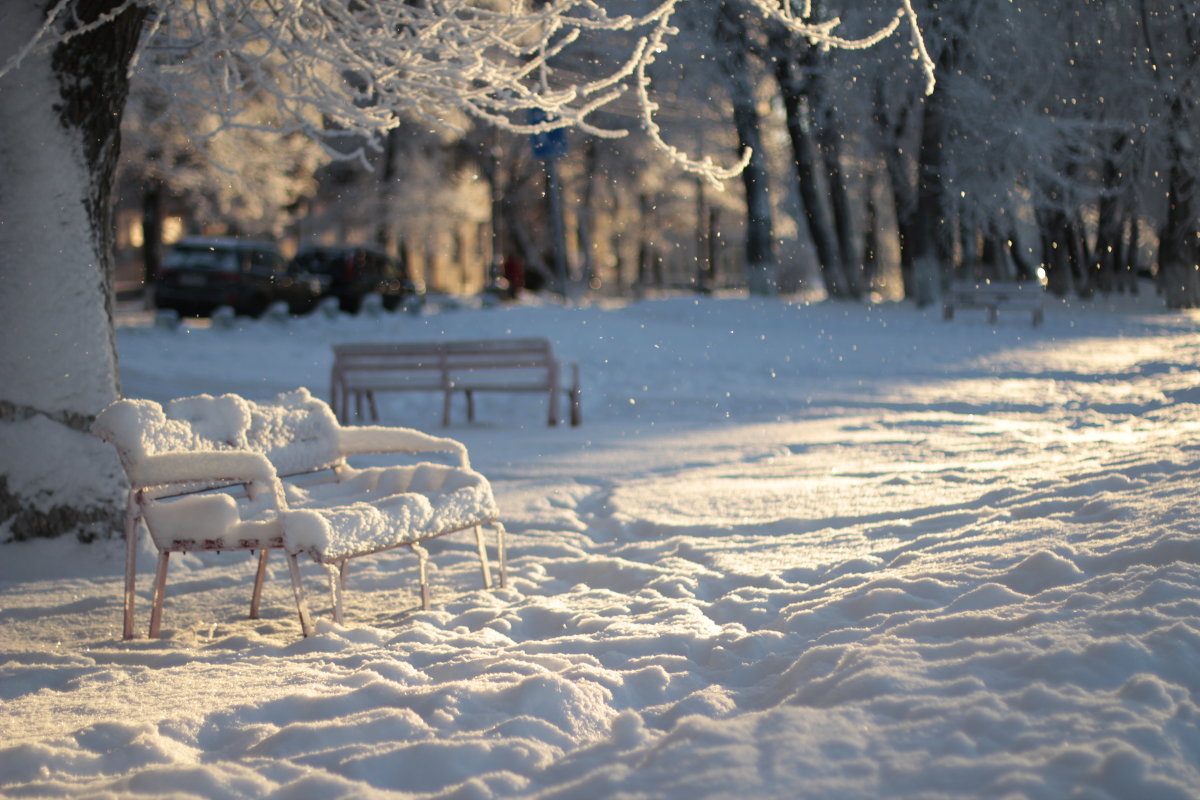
187 463
373 509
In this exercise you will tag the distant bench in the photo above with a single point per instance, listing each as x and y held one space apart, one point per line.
993 296
360 370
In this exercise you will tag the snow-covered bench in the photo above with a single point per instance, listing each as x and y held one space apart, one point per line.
225 473
469 366
993 296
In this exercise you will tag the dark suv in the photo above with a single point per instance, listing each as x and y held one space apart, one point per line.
199 274
350 272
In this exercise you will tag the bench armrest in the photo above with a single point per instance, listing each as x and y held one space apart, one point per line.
366 439
202 466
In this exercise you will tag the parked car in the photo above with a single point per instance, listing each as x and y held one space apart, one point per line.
349 272
200 274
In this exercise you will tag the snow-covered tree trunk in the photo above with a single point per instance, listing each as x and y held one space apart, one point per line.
60 113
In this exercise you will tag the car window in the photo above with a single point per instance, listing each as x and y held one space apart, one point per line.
200 258
314 262
265 261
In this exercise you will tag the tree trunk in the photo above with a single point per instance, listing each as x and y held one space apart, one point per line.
761 275
1178 252
872 264
645 254
1062 252
931 233
816 212
1178 261
152 243
904 203
705 223
385 231
829 143
584 216
1107 262
1129 278
1178 255
60 114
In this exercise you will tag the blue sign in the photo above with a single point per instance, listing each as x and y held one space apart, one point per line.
549 144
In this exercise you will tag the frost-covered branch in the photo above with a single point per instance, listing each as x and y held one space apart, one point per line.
346 72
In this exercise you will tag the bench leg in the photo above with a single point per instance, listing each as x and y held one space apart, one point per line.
337 583
131 532
259 575
993 313
576 409
160 590
446 409
423 566
1038 315
947 312
470 405
483 559
371 405
298 591
502 554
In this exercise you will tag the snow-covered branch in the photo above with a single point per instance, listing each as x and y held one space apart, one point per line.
345 72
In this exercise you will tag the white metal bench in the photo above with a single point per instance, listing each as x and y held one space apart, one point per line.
225 473
360 370
995 295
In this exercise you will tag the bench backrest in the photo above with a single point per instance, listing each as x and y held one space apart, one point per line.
1002 290
442 359
296 432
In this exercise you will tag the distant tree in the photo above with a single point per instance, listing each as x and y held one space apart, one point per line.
247 176
1172 49
732 38
1047 142
795 55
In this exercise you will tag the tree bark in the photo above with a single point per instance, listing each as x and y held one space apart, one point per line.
60 114
816 211
152 233
1108 257
904 203
584 217
829 143
931 232
761 275
1178 253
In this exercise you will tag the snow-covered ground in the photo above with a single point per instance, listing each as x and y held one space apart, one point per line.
794 550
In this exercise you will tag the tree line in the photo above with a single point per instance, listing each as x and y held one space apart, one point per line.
1054 146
